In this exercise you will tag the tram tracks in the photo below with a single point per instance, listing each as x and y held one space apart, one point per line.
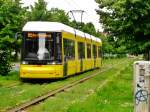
12 85
58 90
54 92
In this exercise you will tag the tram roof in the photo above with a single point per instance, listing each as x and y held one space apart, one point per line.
56 27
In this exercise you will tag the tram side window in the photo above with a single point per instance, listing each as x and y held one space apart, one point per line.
81 50
99 51
88 50
69 49
94 51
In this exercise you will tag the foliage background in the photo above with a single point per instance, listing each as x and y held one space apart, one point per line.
126 24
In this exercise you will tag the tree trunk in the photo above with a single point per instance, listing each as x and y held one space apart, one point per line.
147 56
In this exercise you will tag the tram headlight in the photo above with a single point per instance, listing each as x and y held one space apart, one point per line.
53 63
24 62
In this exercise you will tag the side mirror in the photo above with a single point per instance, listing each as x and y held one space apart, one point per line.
17 35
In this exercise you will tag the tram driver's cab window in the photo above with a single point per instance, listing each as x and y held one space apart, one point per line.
38 46
41 47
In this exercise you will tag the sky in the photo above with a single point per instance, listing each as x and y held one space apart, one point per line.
88 6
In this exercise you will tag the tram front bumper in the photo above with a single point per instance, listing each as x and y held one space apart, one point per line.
41 71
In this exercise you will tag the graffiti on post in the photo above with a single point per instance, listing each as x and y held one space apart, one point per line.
141 94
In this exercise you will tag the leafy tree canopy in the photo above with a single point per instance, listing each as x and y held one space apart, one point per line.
58 15
128 21
12 18
39 11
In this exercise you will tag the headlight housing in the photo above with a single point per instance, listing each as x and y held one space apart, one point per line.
24 62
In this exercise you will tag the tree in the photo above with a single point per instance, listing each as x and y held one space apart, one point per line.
12 18
39 12
89 28
58 15
128 21
107 47
85 27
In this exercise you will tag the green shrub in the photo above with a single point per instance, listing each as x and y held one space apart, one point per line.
5 65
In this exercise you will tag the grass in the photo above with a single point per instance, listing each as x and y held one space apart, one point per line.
116 96
10 79
110 91
25 92
14 92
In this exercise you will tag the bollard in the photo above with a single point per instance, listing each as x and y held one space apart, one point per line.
142 86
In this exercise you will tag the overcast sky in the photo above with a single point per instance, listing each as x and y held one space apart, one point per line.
88 6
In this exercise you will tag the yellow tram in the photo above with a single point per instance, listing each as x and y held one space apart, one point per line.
54 50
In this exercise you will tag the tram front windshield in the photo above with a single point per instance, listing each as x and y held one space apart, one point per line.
41 48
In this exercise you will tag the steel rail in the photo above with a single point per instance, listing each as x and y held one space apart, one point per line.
34 101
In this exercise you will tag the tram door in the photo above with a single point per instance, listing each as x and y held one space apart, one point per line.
94 55
69 56
81 54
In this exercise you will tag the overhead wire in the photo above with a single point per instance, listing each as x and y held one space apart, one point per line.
91 18
70 4
76 9
73 5
79 7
